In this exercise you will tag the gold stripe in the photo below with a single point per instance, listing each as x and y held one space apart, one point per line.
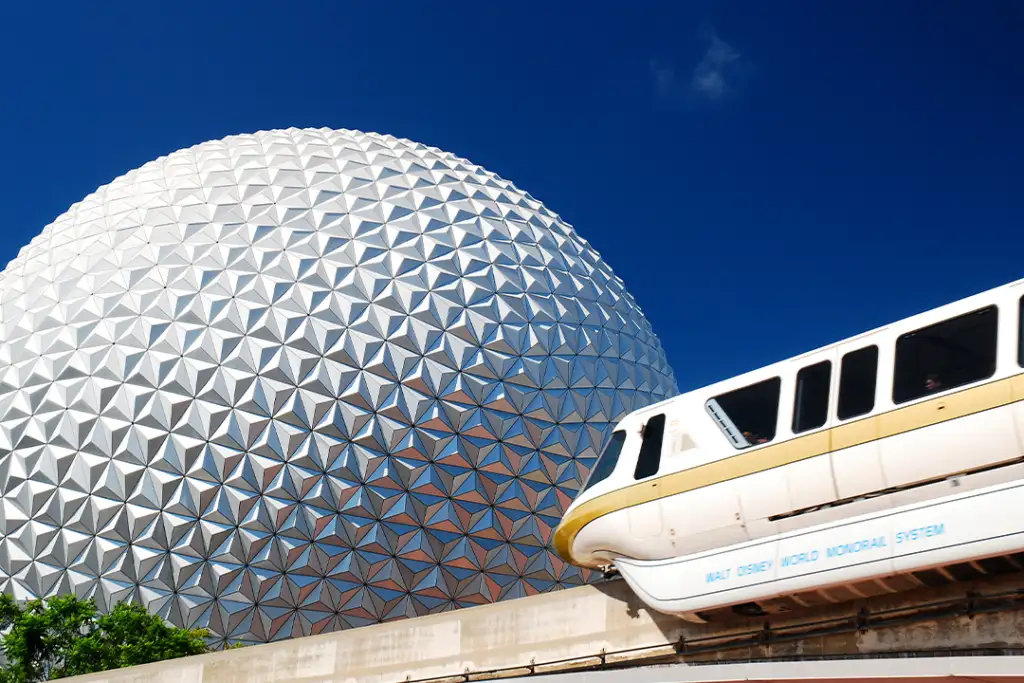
898 421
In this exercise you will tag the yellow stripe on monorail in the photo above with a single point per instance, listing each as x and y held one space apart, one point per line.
943 408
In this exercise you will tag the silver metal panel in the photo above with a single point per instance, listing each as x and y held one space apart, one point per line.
304 380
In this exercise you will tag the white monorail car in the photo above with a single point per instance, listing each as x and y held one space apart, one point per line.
880 463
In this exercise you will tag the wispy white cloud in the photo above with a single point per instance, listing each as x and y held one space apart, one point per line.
712 77
717 74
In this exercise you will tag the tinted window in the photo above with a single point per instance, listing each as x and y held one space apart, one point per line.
606 462
858 376
748 415
810 408
650 450
946 355
1020 334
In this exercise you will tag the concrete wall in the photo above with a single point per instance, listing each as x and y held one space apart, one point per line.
575 624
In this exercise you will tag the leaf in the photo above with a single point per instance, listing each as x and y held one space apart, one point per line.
65 636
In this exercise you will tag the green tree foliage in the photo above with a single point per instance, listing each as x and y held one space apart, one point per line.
65 636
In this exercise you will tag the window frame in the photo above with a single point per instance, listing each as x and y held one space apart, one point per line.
797 396
898 400
1020 332
725 422
646 457
874 385
591 480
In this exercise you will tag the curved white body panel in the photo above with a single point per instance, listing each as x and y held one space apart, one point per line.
989 522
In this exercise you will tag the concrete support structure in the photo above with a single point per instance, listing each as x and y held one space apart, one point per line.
606 626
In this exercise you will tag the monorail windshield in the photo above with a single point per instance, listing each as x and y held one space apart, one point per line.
607 460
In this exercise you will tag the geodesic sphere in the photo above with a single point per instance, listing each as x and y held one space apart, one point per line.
303 380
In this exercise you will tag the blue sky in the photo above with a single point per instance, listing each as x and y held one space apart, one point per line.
766 177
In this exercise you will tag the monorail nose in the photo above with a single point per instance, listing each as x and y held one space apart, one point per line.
574 519
562 538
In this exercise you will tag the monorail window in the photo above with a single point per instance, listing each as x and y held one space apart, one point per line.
810 408
1020 334
606 462
946 355
748 415
858 377
649 460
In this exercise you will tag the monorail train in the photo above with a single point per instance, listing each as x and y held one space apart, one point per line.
884 462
